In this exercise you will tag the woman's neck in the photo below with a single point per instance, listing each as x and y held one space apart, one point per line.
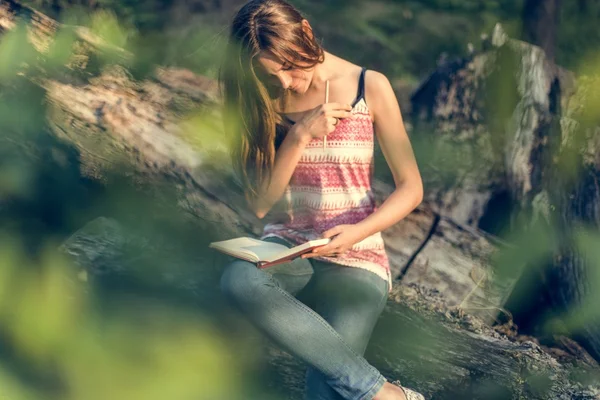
320 75
322 72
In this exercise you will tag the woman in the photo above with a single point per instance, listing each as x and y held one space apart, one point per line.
302 123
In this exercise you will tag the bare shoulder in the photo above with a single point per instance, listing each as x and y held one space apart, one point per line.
379 93
378 87
375 80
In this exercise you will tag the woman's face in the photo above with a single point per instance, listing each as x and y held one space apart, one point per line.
281 74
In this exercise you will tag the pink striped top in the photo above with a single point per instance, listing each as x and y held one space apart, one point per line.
331 187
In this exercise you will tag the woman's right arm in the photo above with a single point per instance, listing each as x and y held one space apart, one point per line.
317 123
286 159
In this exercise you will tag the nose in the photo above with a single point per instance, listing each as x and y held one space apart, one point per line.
285 80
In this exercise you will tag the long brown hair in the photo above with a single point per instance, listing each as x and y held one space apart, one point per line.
250 118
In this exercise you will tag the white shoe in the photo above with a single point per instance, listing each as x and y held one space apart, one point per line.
410 394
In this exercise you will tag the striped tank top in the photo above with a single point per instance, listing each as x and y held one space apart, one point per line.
332 187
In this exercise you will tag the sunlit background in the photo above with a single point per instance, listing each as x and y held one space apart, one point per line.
107 288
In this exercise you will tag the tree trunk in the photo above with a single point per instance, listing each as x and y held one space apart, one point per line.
540 24
573 188
543 152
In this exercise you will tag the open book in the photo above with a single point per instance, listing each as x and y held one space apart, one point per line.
265 254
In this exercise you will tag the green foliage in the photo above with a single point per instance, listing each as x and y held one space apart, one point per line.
578 33
405 38
145 349
16 53
402 38
76 341
502 7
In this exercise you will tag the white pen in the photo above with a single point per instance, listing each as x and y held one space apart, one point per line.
326 101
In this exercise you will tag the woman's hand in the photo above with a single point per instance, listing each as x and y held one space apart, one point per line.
321 120
347 236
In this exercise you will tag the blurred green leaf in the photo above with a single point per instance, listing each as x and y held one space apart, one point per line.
16 52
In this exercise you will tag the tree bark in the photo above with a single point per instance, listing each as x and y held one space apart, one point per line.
540 24
573 191
547 166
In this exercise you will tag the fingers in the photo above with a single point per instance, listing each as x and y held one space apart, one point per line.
322 254
340 111
326 250
323 249
339 114
337 106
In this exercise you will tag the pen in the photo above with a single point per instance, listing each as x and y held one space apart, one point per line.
326 101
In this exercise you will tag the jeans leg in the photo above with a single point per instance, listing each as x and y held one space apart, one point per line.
351 300
299 330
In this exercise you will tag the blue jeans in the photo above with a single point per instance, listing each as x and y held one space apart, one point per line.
321 313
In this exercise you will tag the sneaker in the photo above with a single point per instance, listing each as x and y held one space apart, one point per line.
410 394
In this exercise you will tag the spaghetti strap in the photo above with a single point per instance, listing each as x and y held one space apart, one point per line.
359 95
361 87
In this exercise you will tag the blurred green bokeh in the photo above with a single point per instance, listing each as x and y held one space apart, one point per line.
61 338
143 350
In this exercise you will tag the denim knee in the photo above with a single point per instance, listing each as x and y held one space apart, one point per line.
242 281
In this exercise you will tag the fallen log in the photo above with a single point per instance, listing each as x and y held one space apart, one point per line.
444 352
164 131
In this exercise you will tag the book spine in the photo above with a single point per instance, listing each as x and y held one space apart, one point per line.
267 264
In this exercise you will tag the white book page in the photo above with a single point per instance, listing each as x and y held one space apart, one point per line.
286 252
256 250
253 249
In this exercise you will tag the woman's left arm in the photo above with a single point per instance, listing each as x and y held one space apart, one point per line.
398 152
399 155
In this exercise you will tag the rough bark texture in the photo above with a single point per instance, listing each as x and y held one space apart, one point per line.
573 201
529 174
462 109
543 187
